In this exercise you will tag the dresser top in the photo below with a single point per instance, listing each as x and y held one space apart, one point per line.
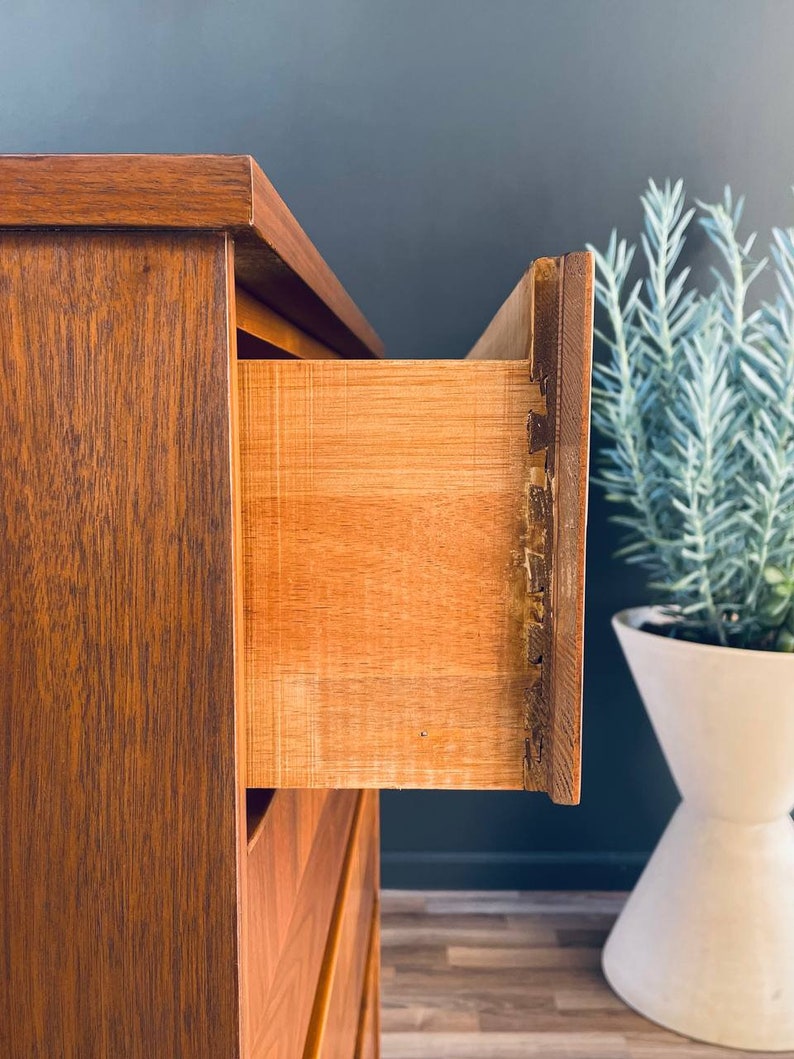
274 258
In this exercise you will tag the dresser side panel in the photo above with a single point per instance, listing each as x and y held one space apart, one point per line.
118 799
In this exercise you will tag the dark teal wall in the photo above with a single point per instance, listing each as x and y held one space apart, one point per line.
431 148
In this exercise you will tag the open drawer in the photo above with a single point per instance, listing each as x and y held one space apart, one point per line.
413 538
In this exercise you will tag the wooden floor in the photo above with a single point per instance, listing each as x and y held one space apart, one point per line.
510 976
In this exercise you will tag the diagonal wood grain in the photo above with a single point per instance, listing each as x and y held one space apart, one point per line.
293 875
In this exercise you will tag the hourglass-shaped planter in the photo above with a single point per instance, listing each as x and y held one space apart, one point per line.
705 944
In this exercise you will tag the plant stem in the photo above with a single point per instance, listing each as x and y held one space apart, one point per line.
784 440
628 400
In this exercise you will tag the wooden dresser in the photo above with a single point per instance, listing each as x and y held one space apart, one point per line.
250 573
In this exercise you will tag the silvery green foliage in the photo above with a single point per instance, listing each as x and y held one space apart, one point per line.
696 402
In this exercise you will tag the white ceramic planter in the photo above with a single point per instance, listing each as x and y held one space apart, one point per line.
705 945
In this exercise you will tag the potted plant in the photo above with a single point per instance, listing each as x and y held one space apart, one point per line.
696 405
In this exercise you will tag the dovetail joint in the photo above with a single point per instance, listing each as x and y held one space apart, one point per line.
537 504
537 432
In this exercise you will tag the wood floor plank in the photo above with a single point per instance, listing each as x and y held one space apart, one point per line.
412 957
466 930
396 901
504 1046
622 1021
540 903
471 975
429 1019
582 938
492 980
594 998
660 1044
521 956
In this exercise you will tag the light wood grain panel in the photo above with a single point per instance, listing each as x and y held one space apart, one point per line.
119 814
274 258
414 538
334 1025
384 520
294 874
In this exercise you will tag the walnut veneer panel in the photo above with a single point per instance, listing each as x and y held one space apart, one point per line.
368 1037
294 870
385 536
274 258
118 793
337 1011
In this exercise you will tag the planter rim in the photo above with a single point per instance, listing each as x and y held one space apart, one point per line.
630 617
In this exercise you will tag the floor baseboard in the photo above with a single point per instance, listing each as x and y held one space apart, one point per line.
511 871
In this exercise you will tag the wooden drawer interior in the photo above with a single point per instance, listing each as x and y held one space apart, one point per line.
385 610
413 553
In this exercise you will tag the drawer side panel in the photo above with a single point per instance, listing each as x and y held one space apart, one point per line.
386 546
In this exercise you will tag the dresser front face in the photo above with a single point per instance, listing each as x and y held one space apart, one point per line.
118 781
313 954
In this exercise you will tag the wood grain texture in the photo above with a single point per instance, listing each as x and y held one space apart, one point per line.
351 956
571 396
119 814
238 639
273 256
126 191
530 984
368 1036
547 321
282 337
257 803
383 525
509 334
294 872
